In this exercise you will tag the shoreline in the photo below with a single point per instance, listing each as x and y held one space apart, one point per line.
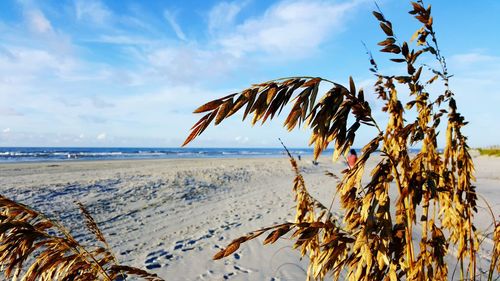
62 162
50 154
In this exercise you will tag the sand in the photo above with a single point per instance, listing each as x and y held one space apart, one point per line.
171 216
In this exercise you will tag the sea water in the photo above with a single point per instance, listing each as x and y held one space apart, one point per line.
43 154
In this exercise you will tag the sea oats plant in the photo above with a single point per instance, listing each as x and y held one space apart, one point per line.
34 247
436 195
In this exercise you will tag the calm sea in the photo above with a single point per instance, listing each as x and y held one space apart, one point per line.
42 154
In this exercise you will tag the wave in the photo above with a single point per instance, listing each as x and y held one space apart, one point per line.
21 154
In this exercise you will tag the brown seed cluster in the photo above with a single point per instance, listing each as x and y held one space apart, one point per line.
436 195
34 247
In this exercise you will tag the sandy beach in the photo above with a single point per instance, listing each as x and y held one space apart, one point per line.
171 216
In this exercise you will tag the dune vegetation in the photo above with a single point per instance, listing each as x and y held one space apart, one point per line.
431 221
489 151
35 247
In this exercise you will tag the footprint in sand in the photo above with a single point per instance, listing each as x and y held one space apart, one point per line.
238 269
153 259
255 217
243 270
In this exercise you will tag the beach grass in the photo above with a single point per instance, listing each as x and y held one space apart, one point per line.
436 187
489 151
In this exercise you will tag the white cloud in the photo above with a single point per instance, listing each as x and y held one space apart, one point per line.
6 130
9 111
122 40
222 15
470 58
6 53
170 17
288 28
241 140
93 11
28 65
37 31
154 94
101 103
38 22
88 118
188 64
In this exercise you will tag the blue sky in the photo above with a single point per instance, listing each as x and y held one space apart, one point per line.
129 73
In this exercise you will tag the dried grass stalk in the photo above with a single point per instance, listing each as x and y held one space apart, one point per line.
371 243
34 247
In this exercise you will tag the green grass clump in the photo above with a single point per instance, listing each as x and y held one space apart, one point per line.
489 151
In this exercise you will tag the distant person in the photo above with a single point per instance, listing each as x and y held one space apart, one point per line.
352 158
298 156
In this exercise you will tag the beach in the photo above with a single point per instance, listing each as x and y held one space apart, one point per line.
170 216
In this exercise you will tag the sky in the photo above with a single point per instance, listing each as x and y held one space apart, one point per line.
129 73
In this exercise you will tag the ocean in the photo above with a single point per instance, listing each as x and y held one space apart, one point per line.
46 154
